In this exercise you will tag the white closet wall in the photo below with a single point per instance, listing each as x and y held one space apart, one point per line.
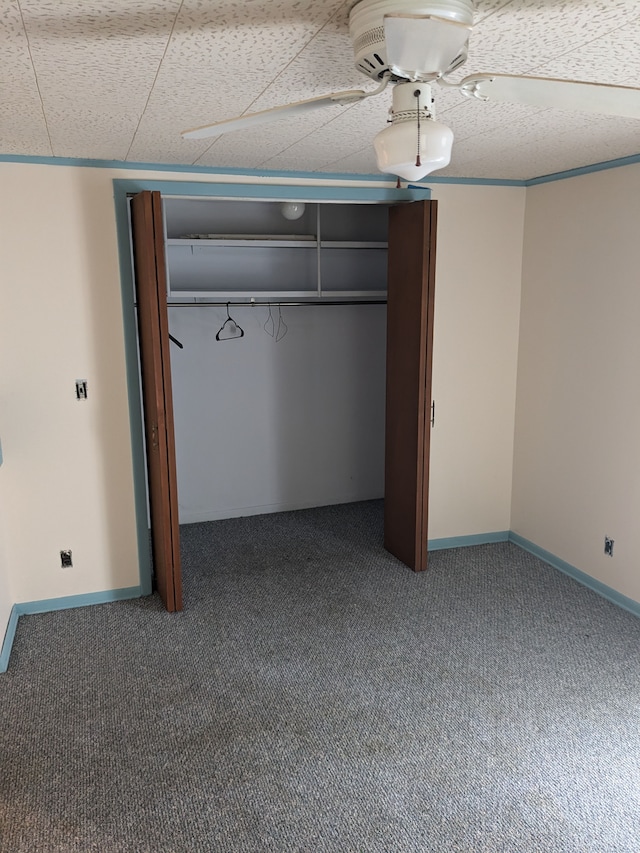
263 426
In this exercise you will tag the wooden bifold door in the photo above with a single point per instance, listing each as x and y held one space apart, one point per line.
410 302
155 366
410 305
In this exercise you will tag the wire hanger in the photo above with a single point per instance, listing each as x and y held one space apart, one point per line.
270 326
282 326
229 330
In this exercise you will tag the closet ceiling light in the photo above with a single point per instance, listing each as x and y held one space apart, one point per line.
292 209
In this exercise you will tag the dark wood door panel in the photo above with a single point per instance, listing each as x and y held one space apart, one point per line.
153 331
410 307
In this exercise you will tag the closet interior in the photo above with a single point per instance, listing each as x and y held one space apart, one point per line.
279 387
285 353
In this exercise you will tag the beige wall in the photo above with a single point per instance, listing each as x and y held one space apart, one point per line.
576 463
6 594
478 269
68 464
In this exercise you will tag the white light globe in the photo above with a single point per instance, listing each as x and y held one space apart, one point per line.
292 209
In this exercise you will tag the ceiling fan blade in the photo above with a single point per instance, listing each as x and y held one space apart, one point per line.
275 114
424 46
560 94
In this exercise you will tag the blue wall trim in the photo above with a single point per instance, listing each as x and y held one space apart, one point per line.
584 170
269 191
8 639
478 182
327 176
582 578
465 541
383 180
182 167
136 425
65 603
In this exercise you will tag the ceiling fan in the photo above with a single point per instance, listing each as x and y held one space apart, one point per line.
411 44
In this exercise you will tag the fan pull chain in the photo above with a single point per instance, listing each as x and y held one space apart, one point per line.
417 96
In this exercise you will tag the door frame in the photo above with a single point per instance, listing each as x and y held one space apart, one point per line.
123 189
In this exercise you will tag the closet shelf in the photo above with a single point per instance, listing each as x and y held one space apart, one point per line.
260 242
228 248
260 296
352 244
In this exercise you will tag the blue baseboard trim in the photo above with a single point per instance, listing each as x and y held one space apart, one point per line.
67 602
465 541
586 580
8 639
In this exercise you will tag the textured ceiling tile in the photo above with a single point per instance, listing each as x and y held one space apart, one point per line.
185 102
258 35
22 124
98 20
484 8
95 64
91 133
326 65
362 162
524 35
549 146
160 143
122 78
477 117
613 58
354 129
15 61
228 148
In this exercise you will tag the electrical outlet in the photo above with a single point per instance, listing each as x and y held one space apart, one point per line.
65 559
608 546
81 389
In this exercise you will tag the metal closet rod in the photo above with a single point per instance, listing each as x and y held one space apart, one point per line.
275 302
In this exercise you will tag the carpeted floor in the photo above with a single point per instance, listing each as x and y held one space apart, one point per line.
315 695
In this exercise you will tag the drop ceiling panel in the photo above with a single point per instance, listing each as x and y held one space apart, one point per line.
22 124
120 79
239 149
524 35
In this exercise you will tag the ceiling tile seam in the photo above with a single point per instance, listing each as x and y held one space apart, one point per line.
576 48
554 58
311 132
35 78
273 80
353 153
155 80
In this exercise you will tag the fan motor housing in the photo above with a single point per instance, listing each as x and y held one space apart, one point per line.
366 28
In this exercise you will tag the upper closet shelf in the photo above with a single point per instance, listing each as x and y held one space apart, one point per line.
256 241
253 249
352 244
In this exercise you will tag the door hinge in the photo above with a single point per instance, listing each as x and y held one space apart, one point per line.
433 413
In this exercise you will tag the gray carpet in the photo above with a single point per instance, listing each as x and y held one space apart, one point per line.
315 695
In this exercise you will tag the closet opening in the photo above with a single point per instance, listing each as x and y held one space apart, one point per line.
272 359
